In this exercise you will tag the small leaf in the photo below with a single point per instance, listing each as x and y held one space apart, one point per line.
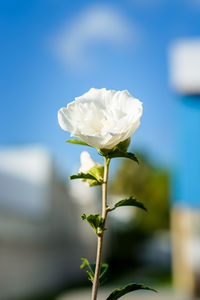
96 222
118 293
91 267
86 263
118 153
78 142
91 275
93 177
103 270
97 172
129 202
84 217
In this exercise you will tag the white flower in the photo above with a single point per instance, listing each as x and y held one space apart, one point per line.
89 166
102 118
87 162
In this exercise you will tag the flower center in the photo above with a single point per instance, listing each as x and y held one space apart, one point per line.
95 126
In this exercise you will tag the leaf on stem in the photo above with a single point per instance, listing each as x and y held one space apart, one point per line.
92 180
118 293
85 263
97 172
96 222
91 269
93 177
102 272
82 176
129 202
117 153
85 176
78 142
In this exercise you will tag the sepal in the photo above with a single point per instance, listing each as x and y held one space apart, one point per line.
119 151
123 146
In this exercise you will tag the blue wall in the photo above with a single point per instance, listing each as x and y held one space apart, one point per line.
187 145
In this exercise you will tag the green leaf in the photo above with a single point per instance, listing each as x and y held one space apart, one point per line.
118 153
94 176
91 275
85 263
129 202
86 177
78 142
93 182
103 270
82 176
97 172
118 293
96 222
91 267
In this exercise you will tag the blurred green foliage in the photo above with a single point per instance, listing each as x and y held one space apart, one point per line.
148 184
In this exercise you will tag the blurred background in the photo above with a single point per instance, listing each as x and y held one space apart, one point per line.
52 51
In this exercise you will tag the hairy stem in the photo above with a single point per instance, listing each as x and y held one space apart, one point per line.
100 238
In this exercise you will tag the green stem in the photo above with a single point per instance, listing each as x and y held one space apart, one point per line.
100 238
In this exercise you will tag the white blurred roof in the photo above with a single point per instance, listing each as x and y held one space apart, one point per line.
25 179
32 164
185 65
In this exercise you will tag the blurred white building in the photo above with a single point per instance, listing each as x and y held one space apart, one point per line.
41 234
185 214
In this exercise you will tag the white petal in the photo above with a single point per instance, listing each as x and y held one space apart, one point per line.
63 120
86 162
97 95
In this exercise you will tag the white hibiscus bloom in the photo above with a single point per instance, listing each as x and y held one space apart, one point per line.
102 118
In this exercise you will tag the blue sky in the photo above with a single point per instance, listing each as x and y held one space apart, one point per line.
53 51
